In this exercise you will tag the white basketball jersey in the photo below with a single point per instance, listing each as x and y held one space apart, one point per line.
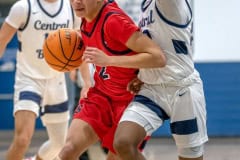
170 24
39 24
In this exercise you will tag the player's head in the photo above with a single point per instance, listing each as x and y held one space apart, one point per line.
87 9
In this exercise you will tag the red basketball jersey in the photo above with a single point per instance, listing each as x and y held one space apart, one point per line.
109 31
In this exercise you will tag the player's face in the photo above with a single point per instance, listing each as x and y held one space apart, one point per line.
87 8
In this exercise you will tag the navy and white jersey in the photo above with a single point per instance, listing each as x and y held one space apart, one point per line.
174 92
170 24
35 19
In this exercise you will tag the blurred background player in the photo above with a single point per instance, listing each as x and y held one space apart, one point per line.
97 115
79 91
174 92
38 88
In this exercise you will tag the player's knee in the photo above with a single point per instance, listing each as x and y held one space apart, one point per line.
119 144
192 152
68 148
69 151
122 145
22 141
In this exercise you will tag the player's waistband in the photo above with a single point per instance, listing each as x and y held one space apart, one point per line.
192 78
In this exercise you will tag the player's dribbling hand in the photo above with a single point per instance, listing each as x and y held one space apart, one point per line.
84 91
95 56
134 86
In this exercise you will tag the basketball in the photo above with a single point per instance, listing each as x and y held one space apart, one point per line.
63 50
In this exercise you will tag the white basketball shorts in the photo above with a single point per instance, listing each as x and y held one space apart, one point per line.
43 97
184 106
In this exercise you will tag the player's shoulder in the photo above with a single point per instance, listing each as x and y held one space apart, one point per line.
171 11
21 4
19 8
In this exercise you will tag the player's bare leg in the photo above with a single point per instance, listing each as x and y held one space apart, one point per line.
80 136
126 145
199 158
24 129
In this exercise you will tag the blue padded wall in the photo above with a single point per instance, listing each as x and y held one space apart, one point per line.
222 91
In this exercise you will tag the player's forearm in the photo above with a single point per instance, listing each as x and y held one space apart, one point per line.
142 60
85 73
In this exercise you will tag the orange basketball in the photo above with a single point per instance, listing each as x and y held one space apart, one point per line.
63 50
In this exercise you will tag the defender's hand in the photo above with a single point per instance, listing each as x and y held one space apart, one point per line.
134 86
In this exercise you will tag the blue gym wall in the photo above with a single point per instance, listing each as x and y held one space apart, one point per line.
222 89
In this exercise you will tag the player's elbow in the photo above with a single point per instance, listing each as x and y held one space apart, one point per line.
160 60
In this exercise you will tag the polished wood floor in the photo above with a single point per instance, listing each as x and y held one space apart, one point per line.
157 148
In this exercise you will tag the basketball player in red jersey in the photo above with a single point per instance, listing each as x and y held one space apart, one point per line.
108 32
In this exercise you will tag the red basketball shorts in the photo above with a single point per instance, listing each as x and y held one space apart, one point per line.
103 114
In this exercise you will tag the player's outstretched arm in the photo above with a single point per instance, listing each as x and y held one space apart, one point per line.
149 54
6 34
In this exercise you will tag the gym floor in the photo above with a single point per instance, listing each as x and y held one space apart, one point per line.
217 148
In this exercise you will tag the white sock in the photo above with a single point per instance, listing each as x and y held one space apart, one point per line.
57 133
